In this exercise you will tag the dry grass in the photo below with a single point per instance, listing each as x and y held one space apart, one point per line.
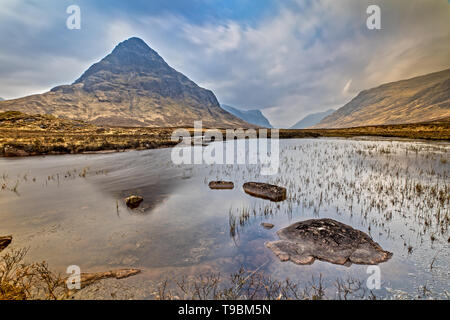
255 285
22 281
23 135
430 131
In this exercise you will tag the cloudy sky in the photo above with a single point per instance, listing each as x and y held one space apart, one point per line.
288 58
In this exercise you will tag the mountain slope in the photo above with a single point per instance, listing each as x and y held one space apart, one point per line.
132 86
312 119
251 116
423 98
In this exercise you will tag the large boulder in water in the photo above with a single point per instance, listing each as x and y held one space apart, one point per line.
327 240
265 191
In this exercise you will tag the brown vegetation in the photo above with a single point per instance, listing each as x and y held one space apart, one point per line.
23 135
255 285
436 130
25 281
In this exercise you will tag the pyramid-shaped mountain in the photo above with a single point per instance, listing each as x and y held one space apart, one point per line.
132 86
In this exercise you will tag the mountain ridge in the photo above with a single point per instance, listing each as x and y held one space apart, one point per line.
413 100
132 86
312 119
254 116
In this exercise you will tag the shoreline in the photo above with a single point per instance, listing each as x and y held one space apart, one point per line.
18 153
23 135
23 154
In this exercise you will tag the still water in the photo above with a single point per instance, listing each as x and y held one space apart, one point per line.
69 210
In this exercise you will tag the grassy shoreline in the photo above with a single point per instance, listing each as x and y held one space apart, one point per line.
29 135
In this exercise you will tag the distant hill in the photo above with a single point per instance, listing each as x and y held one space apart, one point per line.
251 116
132 86
1 99
419 99
312 119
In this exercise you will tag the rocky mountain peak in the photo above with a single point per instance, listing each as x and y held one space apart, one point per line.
131 86
134 51
130 57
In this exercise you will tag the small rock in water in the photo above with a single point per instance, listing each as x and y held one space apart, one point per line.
134 201
221 185
267 225
265 191
4 242
326 240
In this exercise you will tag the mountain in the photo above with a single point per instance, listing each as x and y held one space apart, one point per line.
419 99
132 86
1 99
312 119
251 116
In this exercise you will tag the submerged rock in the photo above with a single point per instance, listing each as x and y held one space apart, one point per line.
265 191
4 242
267 225
90 278
326 240
221 185
133 201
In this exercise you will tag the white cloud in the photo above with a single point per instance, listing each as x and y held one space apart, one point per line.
308 56
215 38
346 87
300 61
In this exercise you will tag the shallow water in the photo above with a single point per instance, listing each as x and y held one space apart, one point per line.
69 210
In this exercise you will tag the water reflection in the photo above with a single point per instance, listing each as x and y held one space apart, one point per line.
70 210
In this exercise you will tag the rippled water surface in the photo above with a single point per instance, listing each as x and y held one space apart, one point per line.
69 210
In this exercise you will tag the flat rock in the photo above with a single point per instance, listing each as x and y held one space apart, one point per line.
326 240
90 278
133 201
265 191
221 185
4 242
267 225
